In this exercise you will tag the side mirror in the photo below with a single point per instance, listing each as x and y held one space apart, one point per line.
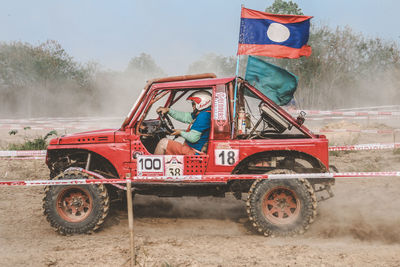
301 118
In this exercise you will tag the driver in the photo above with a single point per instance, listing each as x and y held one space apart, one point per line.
197 134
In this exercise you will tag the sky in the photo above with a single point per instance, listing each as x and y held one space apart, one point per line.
174 32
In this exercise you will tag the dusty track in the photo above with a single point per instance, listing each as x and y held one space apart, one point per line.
360 226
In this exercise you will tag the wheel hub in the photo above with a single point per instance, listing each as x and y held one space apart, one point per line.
280 206
282 203
74 204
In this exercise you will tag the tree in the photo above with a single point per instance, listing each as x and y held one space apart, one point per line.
284 7
144 65
220 65
37 79
345 68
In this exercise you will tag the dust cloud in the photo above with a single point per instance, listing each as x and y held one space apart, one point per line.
362 210
112 93
117 92
379 89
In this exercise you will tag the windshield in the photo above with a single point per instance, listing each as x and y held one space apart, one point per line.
130 114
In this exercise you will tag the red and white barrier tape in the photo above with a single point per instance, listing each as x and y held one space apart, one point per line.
201 178
21 158
364 147
357 131
22 153
348 113
64 127
91 123
50 127
382 108
61 119
37 154
347 118
62 182
81 123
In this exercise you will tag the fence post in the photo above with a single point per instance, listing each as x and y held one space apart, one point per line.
130 221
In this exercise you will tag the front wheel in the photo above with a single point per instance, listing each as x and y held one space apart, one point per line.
281 207
75 209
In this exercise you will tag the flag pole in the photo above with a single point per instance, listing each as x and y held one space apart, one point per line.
236 79
235 90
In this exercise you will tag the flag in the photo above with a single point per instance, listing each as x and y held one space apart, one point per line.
276 83
273 35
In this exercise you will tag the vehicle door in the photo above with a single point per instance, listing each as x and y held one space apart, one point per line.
149 134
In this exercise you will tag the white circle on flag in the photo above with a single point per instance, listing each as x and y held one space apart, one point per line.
278 33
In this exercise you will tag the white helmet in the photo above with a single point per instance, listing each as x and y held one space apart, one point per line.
202 99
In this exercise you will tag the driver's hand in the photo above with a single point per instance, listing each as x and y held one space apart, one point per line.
162 110
176 132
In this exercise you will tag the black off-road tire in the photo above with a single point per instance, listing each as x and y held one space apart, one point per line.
57 205
262 205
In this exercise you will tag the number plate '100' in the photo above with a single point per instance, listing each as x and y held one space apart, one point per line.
150 165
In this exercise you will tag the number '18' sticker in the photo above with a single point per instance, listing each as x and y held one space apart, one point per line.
226 157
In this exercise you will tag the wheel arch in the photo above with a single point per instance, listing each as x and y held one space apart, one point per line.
313 161
60 159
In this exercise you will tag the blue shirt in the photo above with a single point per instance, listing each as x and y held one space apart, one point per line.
201 124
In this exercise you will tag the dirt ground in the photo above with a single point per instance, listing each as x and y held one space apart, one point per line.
360 226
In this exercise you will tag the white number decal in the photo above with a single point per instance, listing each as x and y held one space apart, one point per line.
174 165
226 157
150 165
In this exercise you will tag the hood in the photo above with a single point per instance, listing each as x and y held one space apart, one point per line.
91 137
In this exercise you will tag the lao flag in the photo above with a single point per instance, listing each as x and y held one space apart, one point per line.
272 35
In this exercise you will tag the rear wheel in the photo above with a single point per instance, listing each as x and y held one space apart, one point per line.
75 209
281 207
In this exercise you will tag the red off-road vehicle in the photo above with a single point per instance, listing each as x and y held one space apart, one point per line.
261 138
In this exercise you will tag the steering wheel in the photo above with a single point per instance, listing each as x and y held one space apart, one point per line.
166 122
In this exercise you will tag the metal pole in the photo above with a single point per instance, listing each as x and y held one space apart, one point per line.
235 90
237 64
130 221
234 98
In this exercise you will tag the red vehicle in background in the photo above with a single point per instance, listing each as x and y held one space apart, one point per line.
261 138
